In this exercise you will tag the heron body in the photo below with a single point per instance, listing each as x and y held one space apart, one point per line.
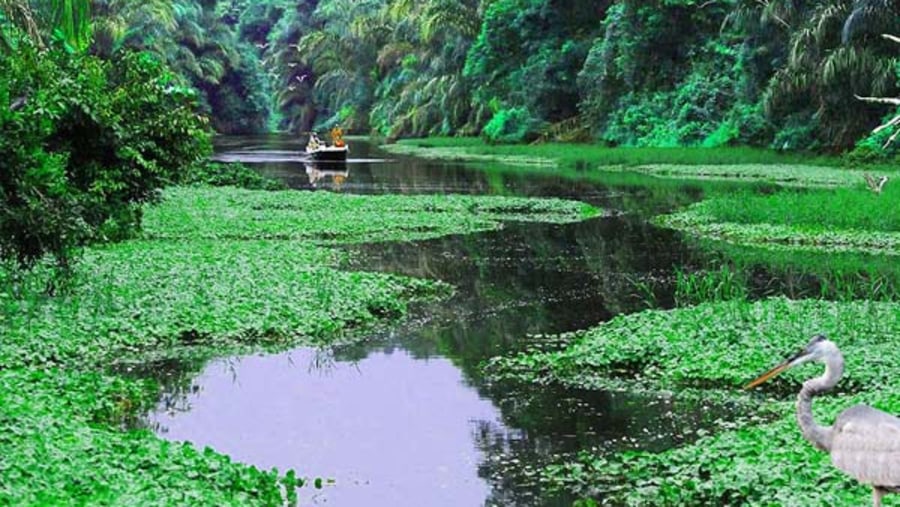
866 446
864 442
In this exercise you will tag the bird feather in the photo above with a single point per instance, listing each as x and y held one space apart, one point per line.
866 445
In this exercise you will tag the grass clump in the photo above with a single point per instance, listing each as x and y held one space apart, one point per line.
843 208
219 271
790 175
722 284
717 347
829 220
812 274
594 155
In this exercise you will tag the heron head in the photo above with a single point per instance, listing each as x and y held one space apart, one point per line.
817 349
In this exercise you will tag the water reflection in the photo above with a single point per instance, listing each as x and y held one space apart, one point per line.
391 430
330 175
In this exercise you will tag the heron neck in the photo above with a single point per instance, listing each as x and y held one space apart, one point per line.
820 436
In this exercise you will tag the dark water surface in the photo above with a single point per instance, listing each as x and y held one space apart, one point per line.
406 418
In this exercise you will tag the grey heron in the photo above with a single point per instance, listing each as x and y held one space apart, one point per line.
864 442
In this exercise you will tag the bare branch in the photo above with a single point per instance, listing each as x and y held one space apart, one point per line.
879 100
891 139
895 121
891 37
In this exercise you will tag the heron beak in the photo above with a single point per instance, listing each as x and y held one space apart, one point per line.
794 360
769 374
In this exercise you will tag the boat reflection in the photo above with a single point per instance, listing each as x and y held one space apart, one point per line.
330 175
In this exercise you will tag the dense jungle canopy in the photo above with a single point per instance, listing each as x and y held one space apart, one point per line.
779 73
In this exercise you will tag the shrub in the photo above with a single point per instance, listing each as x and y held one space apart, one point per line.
83 142
511 126
229 175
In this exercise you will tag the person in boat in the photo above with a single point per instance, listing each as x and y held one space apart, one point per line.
314 142
337 137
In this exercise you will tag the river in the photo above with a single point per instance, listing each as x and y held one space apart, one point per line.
406 418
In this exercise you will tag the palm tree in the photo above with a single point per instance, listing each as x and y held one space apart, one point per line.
71 18
423 91
893 123
833 52
19 14
118 23
342 55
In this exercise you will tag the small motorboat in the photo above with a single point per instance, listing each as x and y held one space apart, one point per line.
318 151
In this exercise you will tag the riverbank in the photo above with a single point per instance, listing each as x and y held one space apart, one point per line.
822 205
735 164
218 272
474 149
712 350
838 220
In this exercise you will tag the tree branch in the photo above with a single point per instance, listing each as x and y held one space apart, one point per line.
879 100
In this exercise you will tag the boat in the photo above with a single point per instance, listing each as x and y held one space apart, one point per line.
328 153
318 151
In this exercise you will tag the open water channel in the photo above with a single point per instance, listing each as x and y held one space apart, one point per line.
406 418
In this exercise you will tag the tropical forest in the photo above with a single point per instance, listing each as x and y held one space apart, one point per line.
561 253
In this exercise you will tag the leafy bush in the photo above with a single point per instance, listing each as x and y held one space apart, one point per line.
511 126
83 142
528 54
228 175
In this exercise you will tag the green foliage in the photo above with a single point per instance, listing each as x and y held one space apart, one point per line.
775 172
724 284
838 276
198 40
661 73
653 79
727 163
511 126
842 219
232 247
836 51
205 49
838 209
880 144
228 175
72 19
635 73
61 445
62 422
528 54
739 339
227 295
755 462
240 102
85 144
66 21
422 90
330 218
